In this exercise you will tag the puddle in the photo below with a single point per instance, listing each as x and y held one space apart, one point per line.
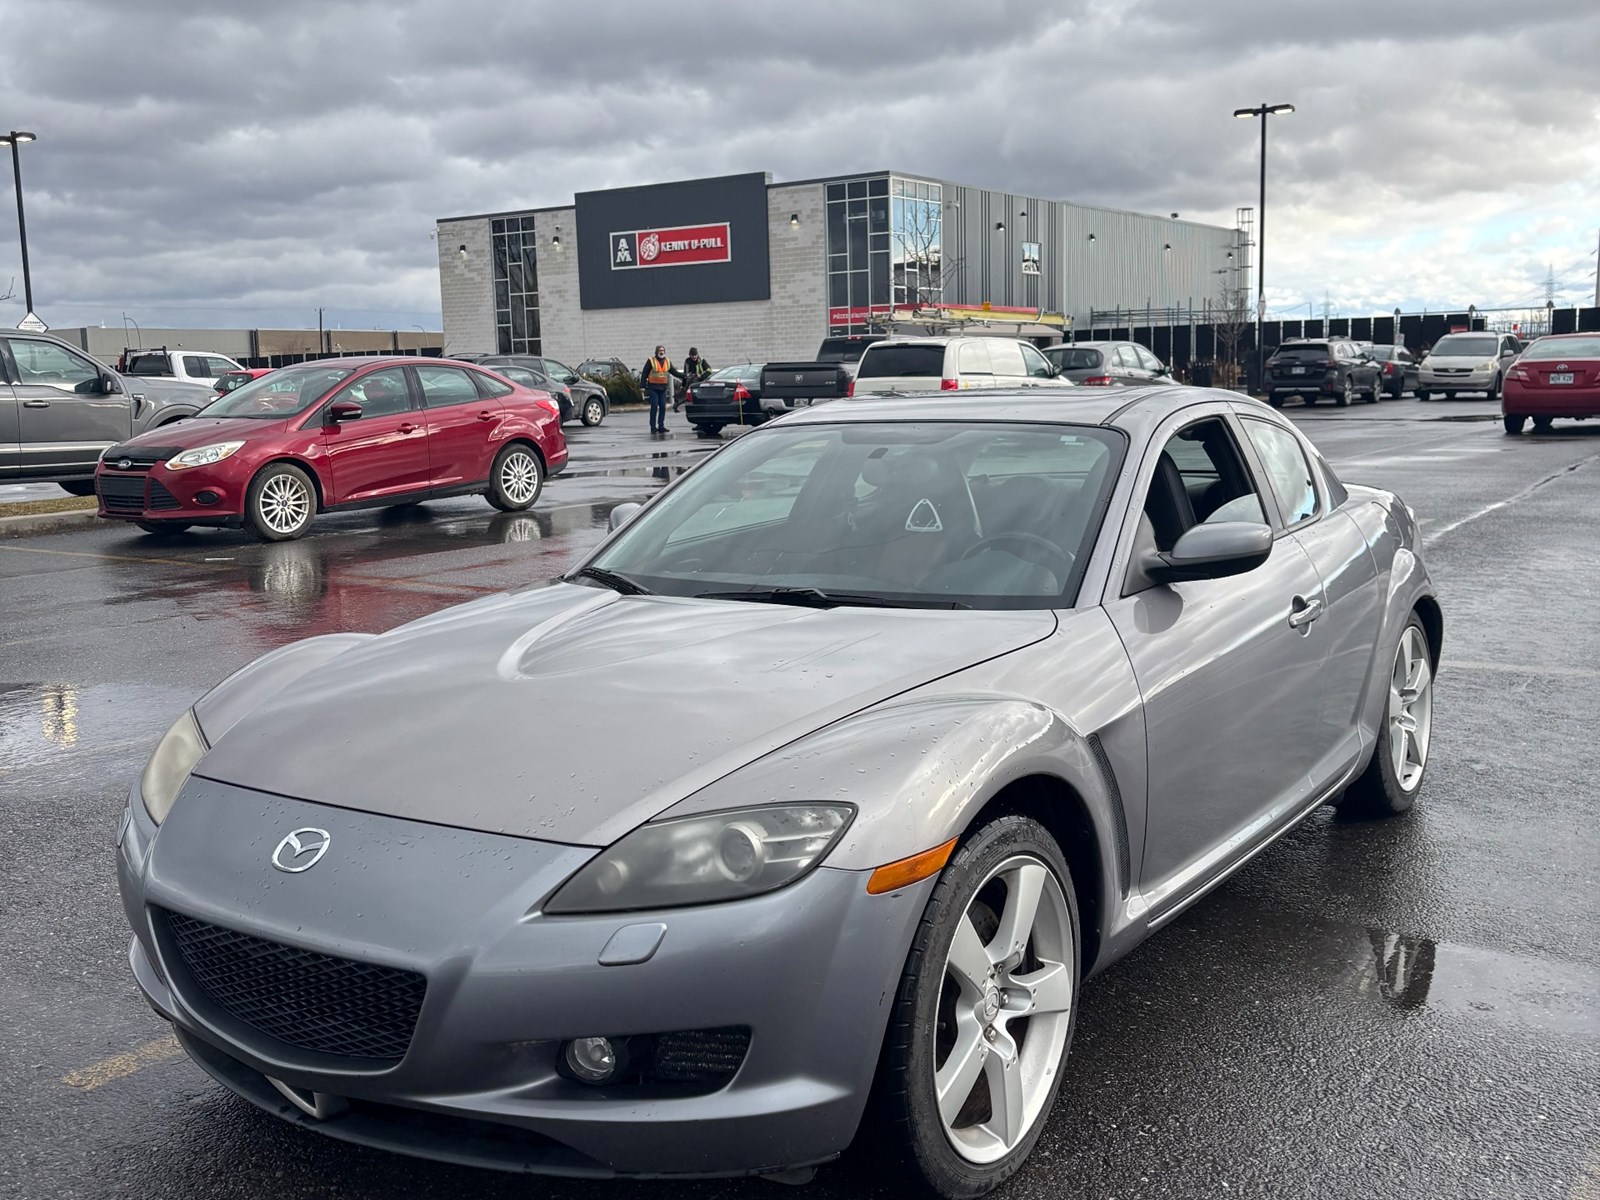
42 724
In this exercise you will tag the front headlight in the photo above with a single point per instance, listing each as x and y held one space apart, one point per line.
203 456
179 750
699 860
1489 365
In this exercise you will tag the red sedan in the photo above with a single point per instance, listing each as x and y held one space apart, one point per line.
343 433
1557 376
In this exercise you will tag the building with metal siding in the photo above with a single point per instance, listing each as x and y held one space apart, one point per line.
819 256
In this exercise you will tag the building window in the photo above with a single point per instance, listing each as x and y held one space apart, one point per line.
516 286
917 242
858 253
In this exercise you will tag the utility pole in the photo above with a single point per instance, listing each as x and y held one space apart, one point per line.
321 340
1263 111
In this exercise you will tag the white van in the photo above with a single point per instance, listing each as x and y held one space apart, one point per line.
948 364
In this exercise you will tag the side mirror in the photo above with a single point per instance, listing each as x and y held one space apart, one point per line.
109 385
342 411
622 514
1212 552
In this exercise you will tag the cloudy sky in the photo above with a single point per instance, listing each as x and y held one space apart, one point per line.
239 165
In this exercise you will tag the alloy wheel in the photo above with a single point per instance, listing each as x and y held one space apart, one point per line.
1410 709
519 477
284 504
593 411
1005 1010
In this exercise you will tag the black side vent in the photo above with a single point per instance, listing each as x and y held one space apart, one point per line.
1119 817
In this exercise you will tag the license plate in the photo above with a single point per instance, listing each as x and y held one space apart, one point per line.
1297 370
1561 377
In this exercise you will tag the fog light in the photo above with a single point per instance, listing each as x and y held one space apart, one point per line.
591 1059
206 497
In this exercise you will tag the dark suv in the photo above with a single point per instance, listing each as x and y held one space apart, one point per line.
1313 368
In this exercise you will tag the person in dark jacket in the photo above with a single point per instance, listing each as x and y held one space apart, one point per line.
657 375
695 369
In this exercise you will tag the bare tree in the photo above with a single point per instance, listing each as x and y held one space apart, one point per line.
1230 319
919 266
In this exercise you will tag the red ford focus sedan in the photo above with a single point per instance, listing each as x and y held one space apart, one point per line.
1557 376
342 433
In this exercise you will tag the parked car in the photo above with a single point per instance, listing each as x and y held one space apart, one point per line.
731 396
950 364
538 381
1398 367
232 381
925 773
193 366
1312 368
1466 362
588 398
847 349
59 409
337 434
1557 376
1101 364
602 369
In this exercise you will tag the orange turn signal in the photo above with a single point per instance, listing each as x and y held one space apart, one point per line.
906 871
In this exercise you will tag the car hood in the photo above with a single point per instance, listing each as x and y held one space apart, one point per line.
190 432
572 714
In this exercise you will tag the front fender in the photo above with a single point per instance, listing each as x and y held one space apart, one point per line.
247 688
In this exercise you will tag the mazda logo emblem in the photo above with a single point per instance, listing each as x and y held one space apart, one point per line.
301 850
124 463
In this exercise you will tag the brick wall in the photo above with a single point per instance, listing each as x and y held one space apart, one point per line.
466 287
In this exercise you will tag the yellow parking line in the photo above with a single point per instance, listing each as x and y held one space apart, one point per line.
138 558
120 1066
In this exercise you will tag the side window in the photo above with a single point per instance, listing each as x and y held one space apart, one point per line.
44 364
489 386
1287 470
1127 359
219 366
1199 478
560 372
972 358
380 394
1147 360
442 386
1035 363
1006 357
196 367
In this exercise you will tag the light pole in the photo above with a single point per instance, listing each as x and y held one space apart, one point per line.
1244 114
13 139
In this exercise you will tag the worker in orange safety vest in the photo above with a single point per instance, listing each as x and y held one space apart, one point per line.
656 375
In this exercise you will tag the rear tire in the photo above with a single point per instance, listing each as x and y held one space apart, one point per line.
1543 424
1347 393
1449 395
77 487
1514 423
516 479
949 1004
1389 785
280 502
708 431
1422 395
1376 394
1275 400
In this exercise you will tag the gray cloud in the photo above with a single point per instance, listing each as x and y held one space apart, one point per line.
209 165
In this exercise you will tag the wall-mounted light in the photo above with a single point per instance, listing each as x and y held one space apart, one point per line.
463 249
1168 246
1174 216
999 226
1023 213
794 220
1091 237
555 240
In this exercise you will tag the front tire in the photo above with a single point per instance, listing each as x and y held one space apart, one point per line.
1389 785
1275 400
984 1014
1423 395
1376 394
708 431
280 502
516 478
1494 389
594 411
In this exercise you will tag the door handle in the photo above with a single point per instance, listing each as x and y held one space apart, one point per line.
408 427
486 415
36 404
1303 612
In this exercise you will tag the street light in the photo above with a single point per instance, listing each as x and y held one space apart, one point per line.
1244 114
14 139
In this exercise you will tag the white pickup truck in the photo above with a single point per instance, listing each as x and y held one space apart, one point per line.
191 366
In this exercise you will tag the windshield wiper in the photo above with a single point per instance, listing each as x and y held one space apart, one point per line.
812 597
617 583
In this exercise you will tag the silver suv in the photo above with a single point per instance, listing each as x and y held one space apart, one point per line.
59 408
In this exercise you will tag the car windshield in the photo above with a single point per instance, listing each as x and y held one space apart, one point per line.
929 514
1466 346
1073 358
1304 350
287 392
232 381
1572 347
916 361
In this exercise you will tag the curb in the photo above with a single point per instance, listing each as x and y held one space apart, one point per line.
33 524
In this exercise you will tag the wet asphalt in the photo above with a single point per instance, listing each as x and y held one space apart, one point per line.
1397 1009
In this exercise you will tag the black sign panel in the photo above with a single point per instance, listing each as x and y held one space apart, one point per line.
704 242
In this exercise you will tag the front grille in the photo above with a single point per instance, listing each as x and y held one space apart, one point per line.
122 493
308 1000
709 1057
162 500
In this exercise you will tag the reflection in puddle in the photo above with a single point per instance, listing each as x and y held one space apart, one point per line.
49 721
1403 967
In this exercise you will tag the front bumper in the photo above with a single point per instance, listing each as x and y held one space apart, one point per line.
810 970
198 496
1445 379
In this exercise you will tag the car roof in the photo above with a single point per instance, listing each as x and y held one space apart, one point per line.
1086 406
1090 345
